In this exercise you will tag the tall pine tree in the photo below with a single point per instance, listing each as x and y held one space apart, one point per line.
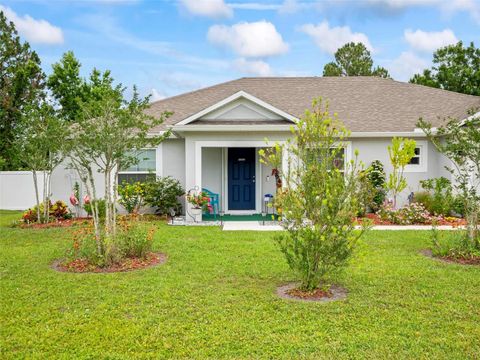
21 84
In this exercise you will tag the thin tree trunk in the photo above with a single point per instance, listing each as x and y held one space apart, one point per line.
37 197
115 197
45 209
107 201
48 178
94 207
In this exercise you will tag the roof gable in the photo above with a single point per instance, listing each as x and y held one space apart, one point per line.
239 106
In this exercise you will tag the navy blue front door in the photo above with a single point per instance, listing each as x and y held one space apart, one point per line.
241 178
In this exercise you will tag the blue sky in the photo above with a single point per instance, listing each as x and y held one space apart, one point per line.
167 47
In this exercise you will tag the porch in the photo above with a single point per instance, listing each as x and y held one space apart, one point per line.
233 171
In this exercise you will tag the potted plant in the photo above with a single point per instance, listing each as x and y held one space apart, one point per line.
198 201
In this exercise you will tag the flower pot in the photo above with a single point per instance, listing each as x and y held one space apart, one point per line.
196 211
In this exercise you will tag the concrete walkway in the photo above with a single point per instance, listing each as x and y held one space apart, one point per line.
250 225
257 226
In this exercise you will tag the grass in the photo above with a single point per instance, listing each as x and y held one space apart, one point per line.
215 298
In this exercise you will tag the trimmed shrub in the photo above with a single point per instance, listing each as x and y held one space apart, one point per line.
376 175
163 194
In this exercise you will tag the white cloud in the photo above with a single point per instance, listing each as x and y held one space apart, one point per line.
35 31
208 8
289 7
329 39
429 41
402 4
406 65
255 39
254 67
254 6
156 95
449 7
472 7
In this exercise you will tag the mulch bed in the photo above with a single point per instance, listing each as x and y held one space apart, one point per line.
58 223
291 292
377 221
85 220
130 264
452 260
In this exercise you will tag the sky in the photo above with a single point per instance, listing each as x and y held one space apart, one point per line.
168 47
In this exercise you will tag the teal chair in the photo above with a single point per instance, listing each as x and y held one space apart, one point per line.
214 202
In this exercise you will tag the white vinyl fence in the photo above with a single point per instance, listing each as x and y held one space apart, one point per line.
17 191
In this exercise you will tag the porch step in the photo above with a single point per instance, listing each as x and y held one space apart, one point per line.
250 226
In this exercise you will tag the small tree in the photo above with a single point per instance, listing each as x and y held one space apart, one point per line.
41 135
377 177
460 142
107 133
319 199
401 153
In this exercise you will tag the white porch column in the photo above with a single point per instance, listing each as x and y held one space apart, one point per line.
193 173
285 160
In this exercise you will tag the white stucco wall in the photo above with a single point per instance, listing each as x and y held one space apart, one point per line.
371 149
173 159
212 168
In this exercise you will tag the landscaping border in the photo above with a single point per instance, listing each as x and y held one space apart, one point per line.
160 258
338 293
428 253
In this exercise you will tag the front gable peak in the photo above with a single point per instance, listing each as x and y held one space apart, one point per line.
237 107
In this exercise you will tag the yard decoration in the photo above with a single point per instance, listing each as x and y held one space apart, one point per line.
318 199
401 152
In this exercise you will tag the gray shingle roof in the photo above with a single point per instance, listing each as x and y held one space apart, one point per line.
364 104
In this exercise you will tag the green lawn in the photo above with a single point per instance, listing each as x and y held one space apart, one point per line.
215 298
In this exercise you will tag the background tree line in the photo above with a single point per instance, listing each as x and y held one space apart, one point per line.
24 86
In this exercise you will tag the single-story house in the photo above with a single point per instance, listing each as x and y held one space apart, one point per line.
217 131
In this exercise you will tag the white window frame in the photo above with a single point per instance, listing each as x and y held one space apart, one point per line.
347 153
423 158
158 164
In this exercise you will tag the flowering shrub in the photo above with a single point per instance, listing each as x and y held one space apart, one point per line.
413 213
133 240
131 196
200 201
